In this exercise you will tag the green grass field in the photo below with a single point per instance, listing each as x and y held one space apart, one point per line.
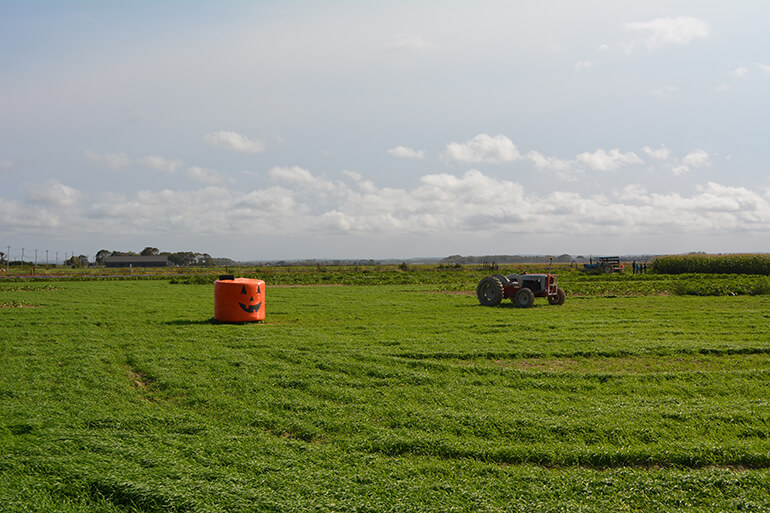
123 396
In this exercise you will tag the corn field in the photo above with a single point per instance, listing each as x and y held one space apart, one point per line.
713 264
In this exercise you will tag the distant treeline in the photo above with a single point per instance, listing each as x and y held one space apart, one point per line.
179 258
511 259
311 262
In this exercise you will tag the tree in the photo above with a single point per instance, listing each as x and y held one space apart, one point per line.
180 258
101 256
203 259
148 251
77 261
189 258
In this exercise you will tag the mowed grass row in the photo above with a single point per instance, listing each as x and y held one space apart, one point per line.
121 395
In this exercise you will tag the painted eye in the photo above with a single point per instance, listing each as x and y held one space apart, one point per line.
243 290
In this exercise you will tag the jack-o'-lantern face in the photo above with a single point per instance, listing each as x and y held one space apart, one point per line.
249 306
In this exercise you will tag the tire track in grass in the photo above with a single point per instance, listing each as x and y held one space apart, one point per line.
647 443
135 496
521 355
635 458
632 364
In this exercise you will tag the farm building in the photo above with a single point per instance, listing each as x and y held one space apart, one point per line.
136 261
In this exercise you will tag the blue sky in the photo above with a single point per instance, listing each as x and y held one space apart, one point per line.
264 130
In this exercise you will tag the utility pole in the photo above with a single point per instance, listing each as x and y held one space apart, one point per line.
22 258
56 262
46 259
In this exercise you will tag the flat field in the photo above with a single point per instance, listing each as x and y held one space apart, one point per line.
124 396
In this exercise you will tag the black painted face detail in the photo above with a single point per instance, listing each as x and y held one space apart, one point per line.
249 308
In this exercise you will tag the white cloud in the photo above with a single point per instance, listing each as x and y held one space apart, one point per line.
441 205
543 162
352 174
190 212
304 179
612 160
294 174
272 202
738 72
161 164
483 148
229 140
677 31
697 158
633 193
26 218
53 194
680 169
405 152
721 88
112 160
205 175
661 153
764 68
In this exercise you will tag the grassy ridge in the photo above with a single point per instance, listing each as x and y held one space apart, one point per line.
574 282
122 396
450 278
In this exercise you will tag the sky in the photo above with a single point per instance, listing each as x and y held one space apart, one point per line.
359 129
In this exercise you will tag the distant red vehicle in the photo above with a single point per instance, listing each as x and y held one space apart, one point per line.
522 289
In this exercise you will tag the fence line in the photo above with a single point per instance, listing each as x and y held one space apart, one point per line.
24 256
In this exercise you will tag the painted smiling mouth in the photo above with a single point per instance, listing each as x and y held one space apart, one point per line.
250 308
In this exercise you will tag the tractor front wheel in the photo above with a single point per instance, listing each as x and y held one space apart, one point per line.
489 291
524 298
559 298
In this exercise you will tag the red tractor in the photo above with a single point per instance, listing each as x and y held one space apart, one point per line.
521 288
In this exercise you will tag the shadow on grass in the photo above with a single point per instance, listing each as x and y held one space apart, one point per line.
506 305
206 321
190 322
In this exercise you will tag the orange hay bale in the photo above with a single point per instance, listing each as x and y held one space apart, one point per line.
239 300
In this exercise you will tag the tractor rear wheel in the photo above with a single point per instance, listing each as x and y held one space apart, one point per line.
524 298
559 298
502 279
489 291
